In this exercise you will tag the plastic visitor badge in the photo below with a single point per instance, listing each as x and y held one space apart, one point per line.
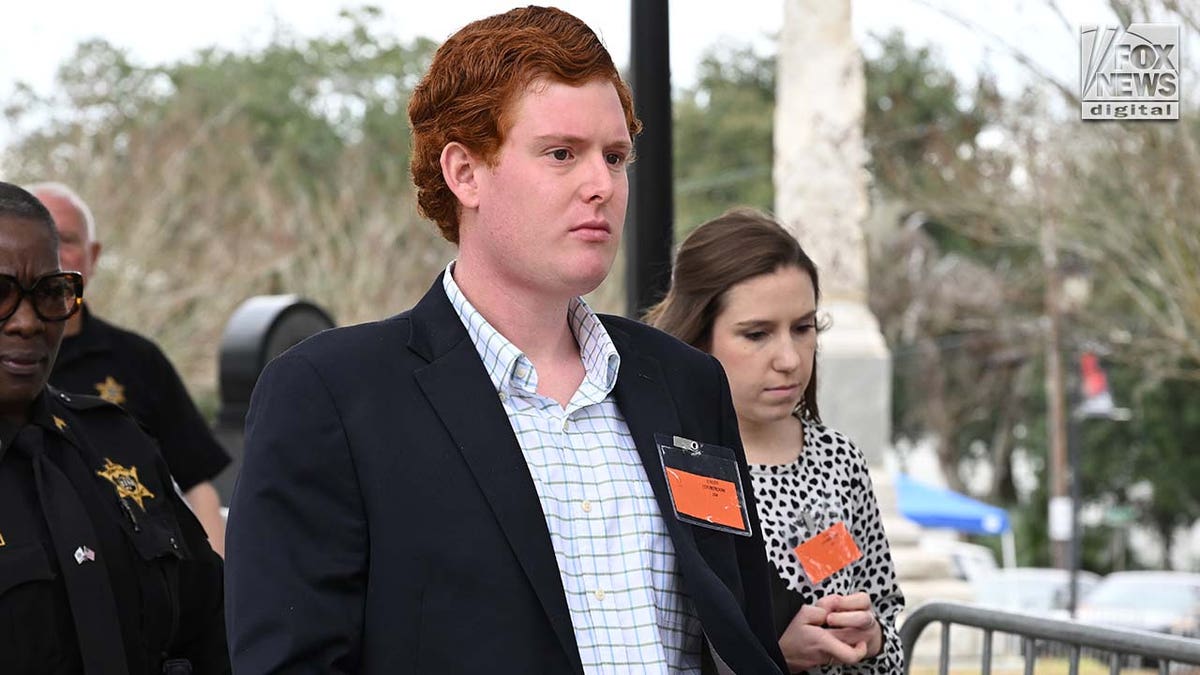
705 484
827 553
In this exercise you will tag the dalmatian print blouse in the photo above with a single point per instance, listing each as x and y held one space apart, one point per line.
826 484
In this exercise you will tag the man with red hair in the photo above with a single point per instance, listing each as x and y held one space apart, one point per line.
475 484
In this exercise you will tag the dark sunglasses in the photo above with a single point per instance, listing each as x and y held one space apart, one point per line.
55 297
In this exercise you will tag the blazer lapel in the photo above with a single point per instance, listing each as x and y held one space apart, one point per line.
462 395
648 409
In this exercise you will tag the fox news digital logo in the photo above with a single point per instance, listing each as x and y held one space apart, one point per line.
1130 74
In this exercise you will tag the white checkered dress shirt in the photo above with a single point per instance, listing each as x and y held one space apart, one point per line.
615 558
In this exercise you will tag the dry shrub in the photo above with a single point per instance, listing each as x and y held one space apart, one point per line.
194 221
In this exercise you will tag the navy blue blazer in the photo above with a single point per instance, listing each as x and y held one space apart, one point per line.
385 520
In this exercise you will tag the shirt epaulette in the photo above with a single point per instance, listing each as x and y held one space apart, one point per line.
80 401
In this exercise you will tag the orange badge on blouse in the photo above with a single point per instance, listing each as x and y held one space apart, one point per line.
828 552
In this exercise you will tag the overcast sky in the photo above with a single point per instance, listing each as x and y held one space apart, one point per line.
42 34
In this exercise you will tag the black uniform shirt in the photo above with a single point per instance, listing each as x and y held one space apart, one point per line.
126 368
165 579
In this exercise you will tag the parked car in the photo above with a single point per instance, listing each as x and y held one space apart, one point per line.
1044 591
1164 602
1041 591
968 561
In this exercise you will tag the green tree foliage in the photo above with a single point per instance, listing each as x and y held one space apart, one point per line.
723 148
922 125
1148 463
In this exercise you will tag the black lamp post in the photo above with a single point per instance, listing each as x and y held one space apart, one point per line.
1097 406
651 201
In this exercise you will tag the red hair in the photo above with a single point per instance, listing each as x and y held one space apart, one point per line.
475 78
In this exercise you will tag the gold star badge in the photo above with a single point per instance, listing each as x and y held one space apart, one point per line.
126 481
110 390
59 422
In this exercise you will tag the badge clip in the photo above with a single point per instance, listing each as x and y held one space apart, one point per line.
687 445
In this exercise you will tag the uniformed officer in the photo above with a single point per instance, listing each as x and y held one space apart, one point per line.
103 569
124 367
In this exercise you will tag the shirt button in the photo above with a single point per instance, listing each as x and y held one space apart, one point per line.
587 506
566 423
503 396
599 593
522 371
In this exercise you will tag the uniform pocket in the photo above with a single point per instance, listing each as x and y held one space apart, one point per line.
35 617
23 564
159 544
156 535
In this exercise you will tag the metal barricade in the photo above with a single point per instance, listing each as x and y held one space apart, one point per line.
1119 645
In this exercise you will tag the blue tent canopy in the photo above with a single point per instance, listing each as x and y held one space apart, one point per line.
931 506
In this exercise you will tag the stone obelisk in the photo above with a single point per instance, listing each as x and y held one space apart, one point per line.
821 197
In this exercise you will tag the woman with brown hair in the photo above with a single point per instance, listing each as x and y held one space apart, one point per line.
745 291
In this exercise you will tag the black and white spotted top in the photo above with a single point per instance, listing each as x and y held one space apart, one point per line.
826 484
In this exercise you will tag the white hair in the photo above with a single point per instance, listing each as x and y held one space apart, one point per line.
64 192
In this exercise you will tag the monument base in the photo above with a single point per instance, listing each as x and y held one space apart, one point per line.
854 378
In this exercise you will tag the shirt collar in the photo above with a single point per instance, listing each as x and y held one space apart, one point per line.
508 367
92 337
44 413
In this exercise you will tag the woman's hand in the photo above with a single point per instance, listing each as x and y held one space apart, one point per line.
807 643
852 620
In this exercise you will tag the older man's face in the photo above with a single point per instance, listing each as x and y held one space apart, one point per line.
76 250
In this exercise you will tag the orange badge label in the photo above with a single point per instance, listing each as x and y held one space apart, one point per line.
828 552
710 499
